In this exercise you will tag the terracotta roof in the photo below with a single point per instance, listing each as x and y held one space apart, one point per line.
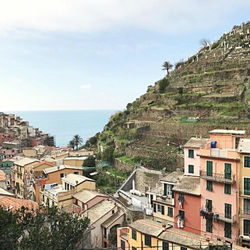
196 142
244 146
87 195
188 184
15 203
37 164
2 176
99 210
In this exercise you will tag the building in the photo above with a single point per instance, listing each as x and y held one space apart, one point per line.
147 234
3 180
11 203
220 164
23 177
86 199
187 195
244 189
74 160
162 198
104 217
191 155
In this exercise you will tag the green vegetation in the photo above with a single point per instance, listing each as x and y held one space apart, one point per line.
48 228
127 159
89 162
110 181
163 83
75 142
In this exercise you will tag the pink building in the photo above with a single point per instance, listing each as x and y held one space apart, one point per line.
220 164
191 155
122 238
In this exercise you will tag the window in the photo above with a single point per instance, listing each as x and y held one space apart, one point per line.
159 208
165 245
246 206
209 225
237 140
83 206
134 234
181 197
170 211
183 248
228 230
227 189
165 189
61 175
182 214
154 208
148 240
190 153
228 211
247 161
209 168
76 172
209 185
227 171
247 186
209 205
134 248
190 169
246 227
162 210
122 244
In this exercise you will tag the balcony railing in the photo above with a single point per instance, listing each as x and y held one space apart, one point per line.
217 177
217 216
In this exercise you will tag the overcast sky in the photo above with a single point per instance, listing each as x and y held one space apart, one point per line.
99 54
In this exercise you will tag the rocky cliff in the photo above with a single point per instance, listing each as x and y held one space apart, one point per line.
209 90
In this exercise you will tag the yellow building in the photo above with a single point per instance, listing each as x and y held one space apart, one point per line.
22 170
147 234
244 186
74 161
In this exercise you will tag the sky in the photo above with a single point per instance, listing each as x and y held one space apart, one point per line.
100 54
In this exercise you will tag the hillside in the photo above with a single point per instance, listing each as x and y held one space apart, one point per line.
209 90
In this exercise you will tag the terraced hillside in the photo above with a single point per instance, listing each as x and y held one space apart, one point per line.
209 90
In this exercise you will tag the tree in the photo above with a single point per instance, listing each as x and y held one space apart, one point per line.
71 144
167 66
163 83
89 162
108 154
205 42
46 228
77 140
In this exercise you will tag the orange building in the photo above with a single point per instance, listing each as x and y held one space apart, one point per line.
53 175
220 164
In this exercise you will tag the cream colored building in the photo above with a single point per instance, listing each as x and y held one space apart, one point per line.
23 176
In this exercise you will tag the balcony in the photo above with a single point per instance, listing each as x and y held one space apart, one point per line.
217 177
217 217
165 199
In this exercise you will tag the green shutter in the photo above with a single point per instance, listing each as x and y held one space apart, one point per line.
162 210
228 170
165 246
155 208
191 153
190 169
170 211
247 161
209 205
165 189
228 211
227 189
247 186
209 168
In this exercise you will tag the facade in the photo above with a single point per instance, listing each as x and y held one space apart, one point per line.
23 176
244 188
3 180
187 204
74 161
220 164
147 234
191 155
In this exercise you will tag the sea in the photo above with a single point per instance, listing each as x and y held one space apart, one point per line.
63 125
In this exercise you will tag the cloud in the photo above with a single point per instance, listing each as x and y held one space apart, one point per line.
86 86
98 15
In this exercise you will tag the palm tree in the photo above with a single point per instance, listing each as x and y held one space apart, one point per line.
77 140
167 66
71 144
